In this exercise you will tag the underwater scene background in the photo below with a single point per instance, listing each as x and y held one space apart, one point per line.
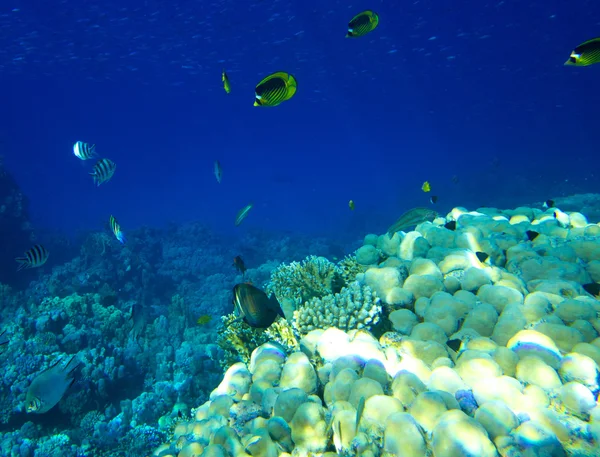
427 187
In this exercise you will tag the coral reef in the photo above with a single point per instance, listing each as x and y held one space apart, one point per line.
354 307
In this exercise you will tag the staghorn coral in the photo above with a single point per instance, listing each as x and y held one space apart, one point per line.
302 281
355 307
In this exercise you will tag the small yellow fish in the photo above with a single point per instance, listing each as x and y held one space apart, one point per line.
587 53
204 319
351 205
274 89
226 84
426 187
362 23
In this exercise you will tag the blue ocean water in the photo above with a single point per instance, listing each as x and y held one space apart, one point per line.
477 90
471 96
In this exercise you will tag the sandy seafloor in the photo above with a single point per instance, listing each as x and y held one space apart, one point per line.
414 344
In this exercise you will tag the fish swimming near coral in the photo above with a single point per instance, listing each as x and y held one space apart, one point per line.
84 151
116 229
47 389
226 84
103 171
548 204
138 317
482 256
275 89
254 307
433 199
242 214
33 258
412 218
218 171
532 234
451 225
239 264
587 53
362 23
592 288
204 319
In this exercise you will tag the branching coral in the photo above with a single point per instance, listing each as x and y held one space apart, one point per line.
238 340
302 281
355 307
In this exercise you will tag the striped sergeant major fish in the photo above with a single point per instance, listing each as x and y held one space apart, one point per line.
34 257
116 229
84 151
103 171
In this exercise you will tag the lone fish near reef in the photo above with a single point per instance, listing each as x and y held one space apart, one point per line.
252 305
362 23
242 214
33 258
239 264
47 389
218 171
412 218
116 229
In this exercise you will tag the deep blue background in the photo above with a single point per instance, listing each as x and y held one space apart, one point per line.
473 89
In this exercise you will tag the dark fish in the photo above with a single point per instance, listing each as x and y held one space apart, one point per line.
84 151
238 263
138 317
412 218
274 89
47 389
226 84
592 288
454 344
587 53
103 171
254 307
116 229
34 257
532 235
3 338
482 256
218 171
433 199
362 23
242 214
450 225
548 204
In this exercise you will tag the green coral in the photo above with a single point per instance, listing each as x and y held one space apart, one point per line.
355 307
349 268
302 281
238 340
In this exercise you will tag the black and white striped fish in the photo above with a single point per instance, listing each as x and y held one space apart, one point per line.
103 171
84 151
34 257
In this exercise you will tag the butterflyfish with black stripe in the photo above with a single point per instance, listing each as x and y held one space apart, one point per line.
275 89
103 171
116 229
84 151
587 53
33 258
362 23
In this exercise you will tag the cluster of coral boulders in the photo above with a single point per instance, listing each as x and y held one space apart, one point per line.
488 346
